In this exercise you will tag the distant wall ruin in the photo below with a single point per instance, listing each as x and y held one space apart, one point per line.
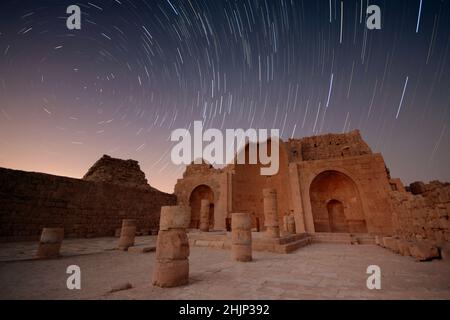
31 201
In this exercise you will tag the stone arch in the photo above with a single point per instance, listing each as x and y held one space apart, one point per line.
248 183
200 192
336 203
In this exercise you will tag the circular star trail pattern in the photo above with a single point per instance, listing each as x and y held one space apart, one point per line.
139 69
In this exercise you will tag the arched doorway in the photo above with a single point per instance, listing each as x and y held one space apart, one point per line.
335 203
199 193
336 216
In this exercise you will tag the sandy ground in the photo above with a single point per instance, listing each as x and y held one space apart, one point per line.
318 271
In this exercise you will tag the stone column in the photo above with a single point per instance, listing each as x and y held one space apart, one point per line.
172 247
50 243
127 234
271 213
241 237
204 215
290 223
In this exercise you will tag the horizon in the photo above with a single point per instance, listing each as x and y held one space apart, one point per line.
170 191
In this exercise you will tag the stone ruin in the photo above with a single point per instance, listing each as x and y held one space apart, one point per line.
111 190
331 187
421 221
126 173
327 186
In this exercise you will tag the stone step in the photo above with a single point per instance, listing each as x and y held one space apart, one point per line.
345 238
293 246
285 244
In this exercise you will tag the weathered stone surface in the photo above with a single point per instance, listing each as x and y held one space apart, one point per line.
290 224
241 252
424 216
445 252
403 247
174 217
127 234
339 166
52 235
172 244
31 201
117 171
271 213
204 215
417 187
50 243
241 237
172 248
171 273
390 243
423 251
379 240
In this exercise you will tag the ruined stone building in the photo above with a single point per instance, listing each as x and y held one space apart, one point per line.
331 183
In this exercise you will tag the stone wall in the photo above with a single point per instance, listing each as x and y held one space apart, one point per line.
423 214
328 146
204 176
30 201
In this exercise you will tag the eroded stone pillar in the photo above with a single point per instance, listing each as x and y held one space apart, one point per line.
271 213
290 223
50 243
241 237
127 234
172 247
204 215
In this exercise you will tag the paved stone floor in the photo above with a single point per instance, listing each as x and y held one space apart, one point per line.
318 271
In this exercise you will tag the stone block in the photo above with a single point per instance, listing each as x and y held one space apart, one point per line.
175 217
423 251
172 245
390 243
171 273
403 247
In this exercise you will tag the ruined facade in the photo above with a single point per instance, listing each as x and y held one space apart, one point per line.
330 183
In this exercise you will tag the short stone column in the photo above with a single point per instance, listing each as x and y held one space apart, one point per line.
172 247
241 237
204 215
271 213
50 243
290 224
127 234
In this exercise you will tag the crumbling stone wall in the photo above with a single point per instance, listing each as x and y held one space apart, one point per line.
328 146
423 214
117 171
30 201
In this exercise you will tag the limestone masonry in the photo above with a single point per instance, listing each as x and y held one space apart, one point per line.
332 183
326 184
90 207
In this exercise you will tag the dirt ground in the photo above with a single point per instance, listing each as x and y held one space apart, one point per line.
318 271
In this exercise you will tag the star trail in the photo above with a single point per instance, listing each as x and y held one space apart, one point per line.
136 70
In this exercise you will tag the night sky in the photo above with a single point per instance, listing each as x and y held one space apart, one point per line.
139 69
